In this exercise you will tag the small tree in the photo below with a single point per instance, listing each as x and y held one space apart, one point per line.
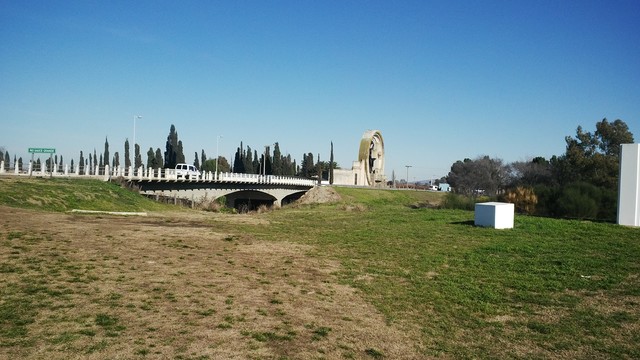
106 152
138 161
331 166
158 159
127 155
151 157
116 160
81 163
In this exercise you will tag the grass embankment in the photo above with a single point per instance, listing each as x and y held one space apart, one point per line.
210 287
547 288
68 194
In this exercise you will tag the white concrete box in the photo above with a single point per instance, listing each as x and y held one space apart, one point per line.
497 215
629 189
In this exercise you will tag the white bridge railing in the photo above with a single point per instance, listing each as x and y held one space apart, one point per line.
149 174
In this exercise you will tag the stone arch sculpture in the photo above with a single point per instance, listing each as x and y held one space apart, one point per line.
371 157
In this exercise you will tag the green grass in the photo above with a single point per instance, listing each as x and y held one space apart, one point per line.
68 194
547 288
563 285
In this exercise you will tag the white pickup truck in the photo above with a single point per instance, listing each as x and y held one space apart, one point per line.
186 171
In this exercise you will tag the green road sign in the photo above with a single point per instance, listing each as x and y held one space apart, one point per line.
42 151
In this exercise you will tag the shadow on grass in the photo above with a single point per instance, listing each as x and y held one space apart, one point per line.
466 222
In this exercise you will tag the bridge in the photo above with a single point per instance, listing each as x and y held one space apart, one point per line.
239 190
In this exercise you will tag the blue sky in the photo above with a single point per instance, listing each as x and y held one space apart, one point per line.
442 80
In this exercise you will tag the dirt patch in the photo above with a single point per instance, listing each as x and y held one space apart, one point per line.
173 285
320 195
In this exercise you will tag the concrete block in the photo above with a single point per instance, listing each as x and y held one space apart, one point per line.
629 189
497 215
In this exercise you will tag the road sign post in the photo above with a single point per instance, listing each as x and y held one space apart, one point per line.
49 151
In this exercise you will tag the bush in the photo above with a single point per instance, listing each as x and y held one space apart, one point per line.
577 201
524 199
461 202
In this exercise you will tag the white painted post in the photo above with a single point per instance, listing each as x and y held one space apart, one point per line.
2 167
629 188
66 169
16 169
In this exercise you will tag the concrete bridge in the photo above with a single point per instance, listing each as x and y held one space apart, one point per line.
239 190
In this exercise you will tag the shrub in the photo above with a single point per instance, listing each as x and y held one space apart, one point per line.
524 199
461 202
577 200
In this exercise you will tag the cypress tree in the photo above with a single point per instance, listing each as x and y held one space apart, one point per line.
106 152
95 159
256 162
127 155
81 163
138 161
331 166
238 164
277 160
158 159
151 157
170 154
20 163
248 162
116 160
180 158
203 158
196 163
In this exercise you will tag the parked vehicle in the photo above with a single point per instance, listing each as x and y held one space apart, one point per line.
186 171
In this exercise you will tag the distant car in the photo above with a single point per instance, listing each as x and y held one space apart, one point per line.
186 171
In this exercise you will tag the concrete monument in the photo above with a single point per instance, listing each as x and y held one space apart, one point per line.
369 169
629 188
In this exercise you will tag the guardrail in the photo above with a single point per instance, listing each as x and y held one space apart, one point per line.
149 174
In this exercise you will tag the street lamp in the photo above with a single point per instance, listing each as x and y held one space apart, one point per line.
135 117
217 153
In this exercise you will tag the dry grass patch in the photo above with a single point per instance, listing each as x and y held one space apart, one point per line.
175 286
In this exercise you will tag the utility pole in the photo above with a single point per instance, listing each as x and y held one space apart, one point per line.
408 166
135 117
217 153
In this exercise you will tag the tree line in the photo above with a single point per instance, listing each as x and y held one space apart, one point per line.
581 183
246 160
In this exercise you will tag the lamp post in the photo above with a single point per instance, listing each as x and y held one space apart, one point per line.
217 153
135 117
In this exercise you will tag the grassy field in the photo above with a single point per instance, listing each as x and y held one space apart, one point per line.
276 285
65 195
